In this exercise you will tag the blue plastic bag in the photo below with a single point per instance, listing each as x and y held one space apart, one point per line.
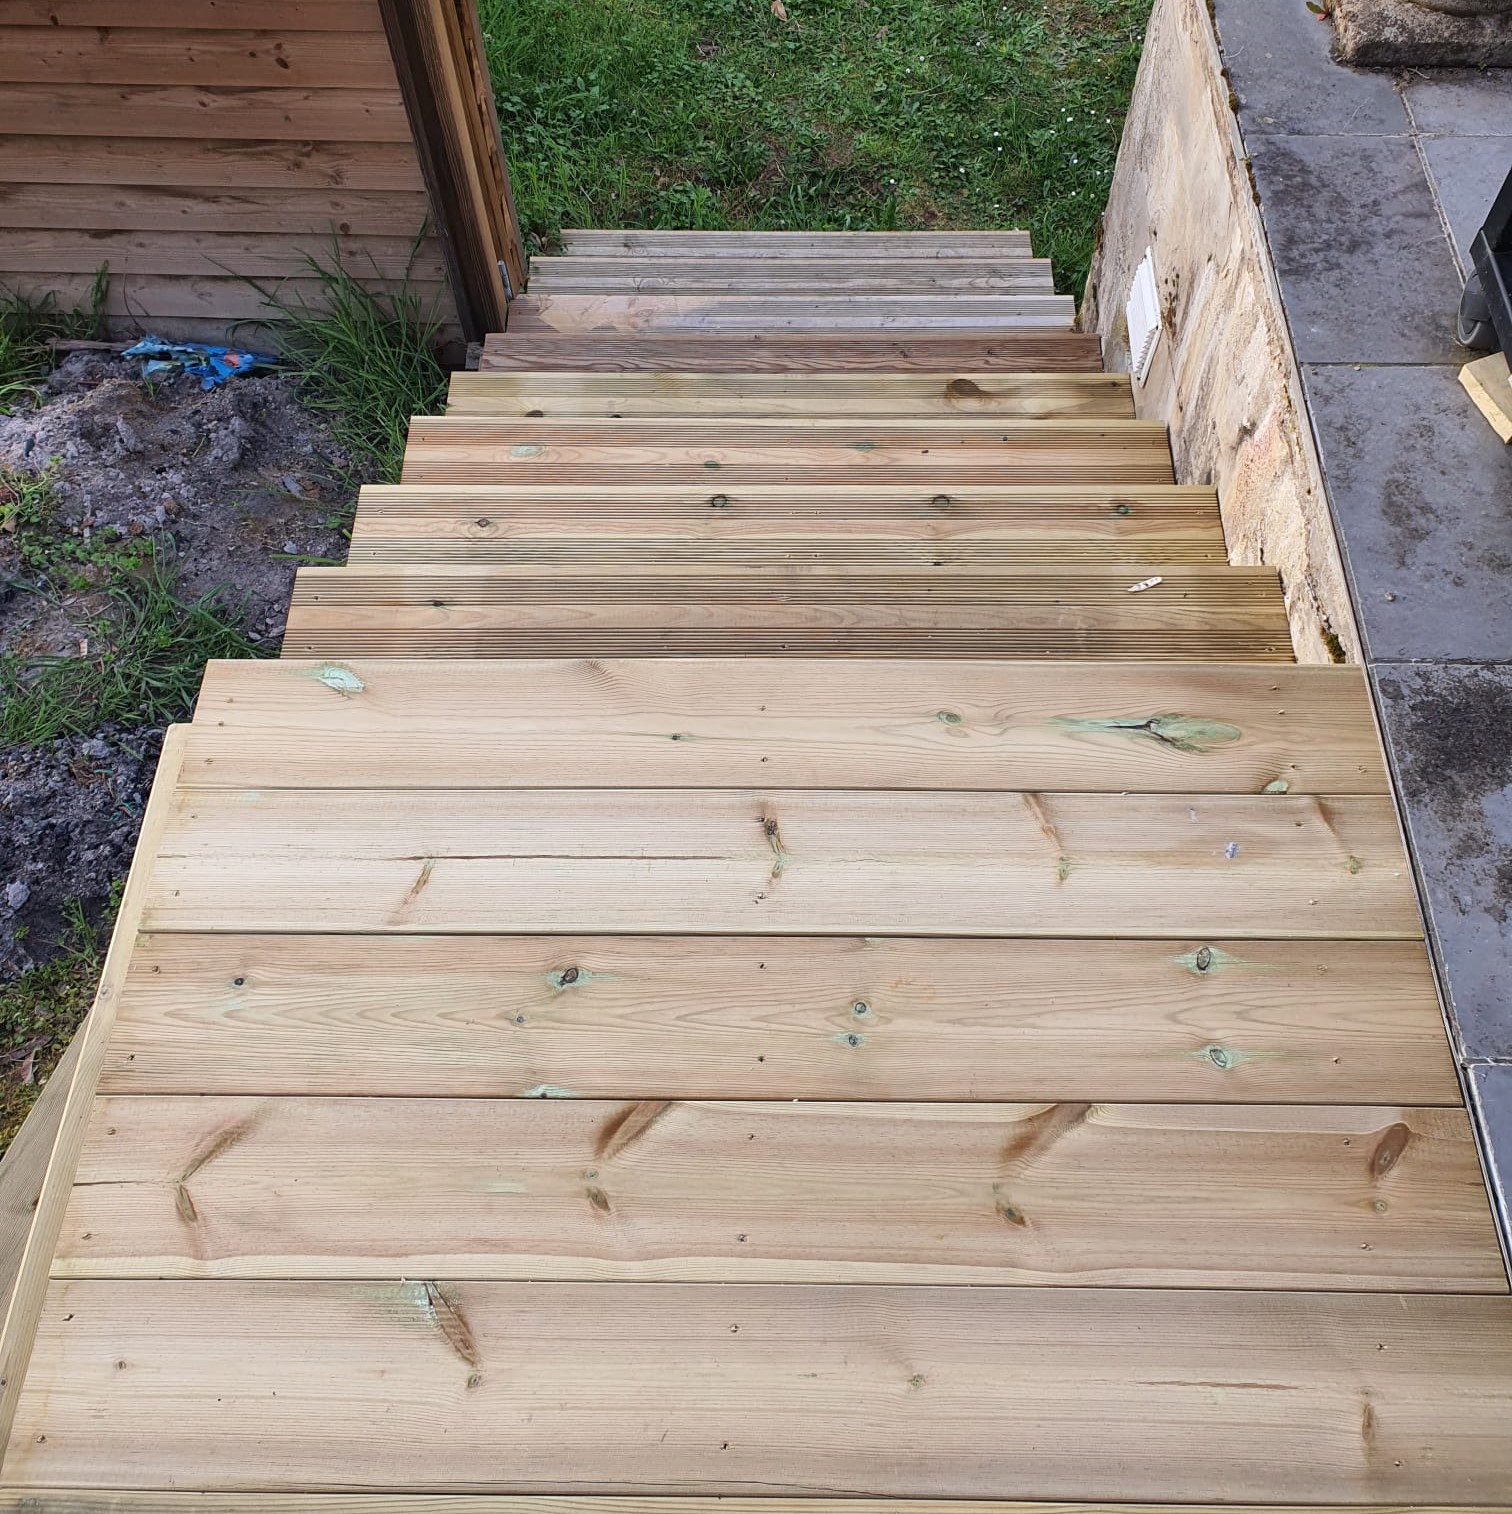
212 366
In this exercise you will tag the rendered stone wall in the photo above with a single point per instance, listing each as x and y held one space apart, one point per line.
1223 377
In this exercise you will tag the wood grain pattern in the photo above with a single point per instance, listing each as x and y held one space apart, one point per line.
1366 1199
1040 396
1007 352
216 164
231 57
79 1501
198 110
302 212
785 724
179 15
1207 1021
583 242
841 862
788 276
944 1392
779 312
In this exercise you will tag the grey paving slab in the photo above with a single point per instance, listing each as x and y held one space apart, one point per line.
1462 102
1491 1096
1282 71
1449 734
1421 492
1467 172
1366 270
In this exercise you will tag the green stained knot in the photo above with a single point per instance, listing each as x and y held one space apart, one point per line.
1182 733
1207 959
948 717
1277 786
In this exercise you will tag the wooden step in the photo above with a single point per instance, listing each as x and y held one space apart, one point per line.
940 1392
1225 614
1210 1196
838 862
819 723
1064 525
753 352
956 452
974 314
902 396
789 276
800 244
1189 1019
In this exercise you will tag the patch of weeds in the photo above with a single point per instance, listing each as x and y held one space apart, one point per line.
28 324
366 362
846 115
41 1010
71 559
141 664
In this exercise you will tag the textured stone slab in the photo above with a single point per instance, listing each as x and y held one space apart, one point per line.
1491 1094
1286 80
1400 33
1421 490
1367 273
1467 173
1468 102
1449 734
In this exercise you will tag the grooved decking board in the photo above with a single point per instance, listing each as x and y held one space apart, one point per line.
811 277
77 1501
945 1392
1366 1199
785 724
1334 1022
784 312
1058 396
468 449
584 242
569 610
1006 352
840 862
1051 511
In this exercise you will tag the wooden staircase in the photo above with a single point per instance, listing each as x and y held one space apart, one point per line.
788 930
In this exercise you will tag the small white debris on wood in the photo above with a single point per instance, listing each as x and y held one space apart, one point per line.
1143 584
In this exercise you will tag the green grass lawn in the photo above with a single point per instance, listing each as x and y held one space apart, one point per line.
847 115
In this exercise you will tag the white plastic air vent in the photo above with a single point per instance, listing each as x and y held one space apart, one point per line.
1142 313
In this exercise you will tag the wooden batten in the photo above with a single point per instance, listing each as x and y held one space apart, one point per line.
190 149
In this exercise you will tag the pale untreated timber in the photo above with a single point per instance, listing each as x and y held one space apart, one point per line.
1041 396
200 110
231 57
815 277
783 1018
228 163
779 312
79 1501
1005 352
807 244
782 723
1366 1199
919 1391
839 862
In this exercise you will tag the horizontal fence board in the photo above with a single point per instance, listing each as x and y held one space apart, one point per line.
1046 396
200 110
1014 351
778 312
181 15
1365 1199
225 163
374 212
782 1018
266 255
232 58
840 862
939 725
880 1391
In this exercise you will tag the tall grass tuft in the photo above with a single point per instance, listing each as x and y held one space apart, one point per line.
28 323
365 361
